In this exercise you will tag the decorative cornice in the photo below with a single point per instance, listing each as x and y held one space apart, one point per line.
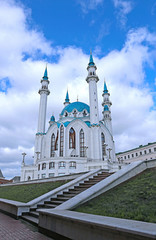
92 78
95 125
40 133
46 91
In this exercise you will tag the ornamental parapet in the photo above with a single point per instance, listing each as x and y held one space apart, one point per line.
39 133
46 91
95 125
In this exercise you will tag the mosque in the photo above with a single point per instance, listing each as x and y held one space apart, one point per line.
78 141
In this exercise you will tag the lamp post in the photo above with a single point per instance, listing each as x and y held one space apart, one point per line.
85 151
109 150
23 154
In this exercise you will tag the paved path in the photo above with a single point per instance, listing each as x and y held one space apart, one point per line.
11 229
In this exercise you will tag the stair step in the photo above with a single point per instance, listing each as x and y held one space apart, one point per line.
33 209
99 178
45 206
30 219
92 181
76 191
86 184
80 187
50 205
63 198
34 214
54 202
57 202
69 195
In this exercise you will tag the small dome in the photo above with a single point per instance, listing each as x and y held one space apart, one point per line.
106 108
79 106
52 119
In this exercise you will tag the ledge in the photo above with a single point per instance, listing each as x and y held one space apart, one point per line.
74 225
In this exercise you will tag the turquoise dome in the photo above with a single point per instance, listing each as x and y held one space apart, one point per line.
79 106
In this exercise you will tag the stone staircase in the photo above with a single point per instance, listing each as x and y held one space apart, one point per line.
33 215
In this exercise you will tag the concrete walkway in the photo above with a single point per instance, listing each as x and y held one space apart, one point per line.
11 229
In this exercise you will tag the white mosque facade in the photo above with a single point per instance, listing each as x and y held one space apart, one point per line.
78 141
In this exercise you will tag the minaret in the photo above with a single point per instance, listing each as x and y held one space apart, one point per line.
92 79
67 101
44 92
106 109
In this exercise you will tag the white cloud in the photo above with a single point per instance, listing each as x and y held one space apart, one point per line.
124 7
87 5
133 119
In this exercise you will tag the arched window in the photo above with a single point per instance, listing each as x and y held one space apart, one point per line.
72 165
51 165
84 113
103 144
71 138
56 141
52 145
81 143
43 166
66 114
61 140
62 165
75 113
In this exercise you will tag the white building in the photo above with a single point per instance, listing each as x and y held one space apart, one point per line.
78 141
143 152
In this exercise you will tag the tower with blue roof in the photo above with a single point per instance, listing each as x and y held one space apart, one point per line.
67 101
92 80
44 92
107 108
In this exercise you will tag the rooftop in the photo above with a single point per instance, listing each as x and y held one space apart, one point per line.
79 106
140 146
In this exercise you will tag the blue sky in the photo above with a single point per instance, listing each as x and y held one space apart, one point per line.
88 24
100 25
122 36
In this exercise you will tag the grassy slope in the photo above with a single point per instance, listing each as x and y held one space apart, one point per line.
134 199
25 193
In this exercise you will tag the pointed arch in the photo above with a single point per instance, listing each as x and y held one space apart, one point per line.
56 141
52 153
82 143
72 138
61 140
103 144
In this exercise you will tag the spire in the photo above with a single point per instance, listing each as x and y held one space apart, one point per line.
67 101
105 87
67 97
91 62
45 77
52 119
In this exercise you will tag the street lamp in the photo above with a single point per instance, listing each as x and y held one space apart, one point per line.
109 150
23 154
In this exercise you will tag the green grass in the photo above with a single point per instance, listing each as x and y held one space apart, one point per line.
26 193
134 199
